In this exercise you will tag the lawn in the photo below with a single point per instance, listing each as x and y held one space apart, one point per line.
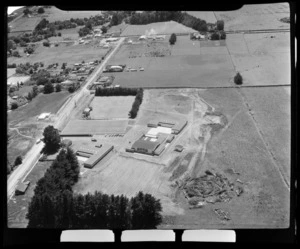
90 127
63 53
10 72
158 27
42 103
111 107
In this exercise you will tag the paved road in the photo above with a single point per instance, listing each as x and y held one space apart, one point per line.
33 155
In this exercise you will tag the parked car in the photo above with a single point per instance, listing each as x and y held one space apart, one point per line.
94 139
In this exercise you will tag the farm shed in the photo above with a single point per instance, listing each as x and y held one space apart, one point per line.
178 127
101 153
148 145
22 187
179 148
170 138
152 125
159 149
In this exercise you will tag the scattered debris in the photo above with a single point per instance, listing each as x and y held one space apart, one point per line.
285 19
222 214
239 191
238 180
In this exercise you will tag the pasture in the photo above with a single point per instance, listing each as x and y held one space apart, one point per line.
10 72
256 16
157 28
63 53
91 127
272 111
55 14
15 79
207 16
24 24
111 107
181 71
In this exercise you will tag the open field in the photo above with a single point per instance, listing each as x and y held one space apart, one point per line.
63 53
207 16
111 107
56 14
159 28
259 16
42 103
17 207
87 127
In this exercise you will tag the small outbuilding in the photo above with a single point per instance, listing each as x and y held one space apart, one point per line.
22 187
179 148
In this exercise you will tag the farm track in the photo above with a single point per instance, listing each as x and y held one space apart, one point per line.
20 133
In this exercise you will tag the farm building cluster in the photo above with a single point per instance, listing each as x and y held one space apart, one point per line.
158 137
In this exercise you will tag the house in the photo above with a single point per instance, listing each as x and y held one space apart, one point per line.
22 187
142 37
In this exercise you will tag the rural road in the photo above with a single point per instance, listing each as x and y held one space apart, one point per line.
33 155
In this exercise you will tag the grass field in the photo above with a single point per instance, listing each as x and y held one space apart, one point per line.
159 28
63 53
42 103
257 16
111 107
270 69
85 127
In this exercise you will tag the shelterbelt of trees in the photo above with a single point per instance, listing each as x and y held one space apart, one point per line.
54 205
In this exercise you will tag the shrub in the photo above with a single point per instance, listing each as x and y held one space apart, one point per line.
59 34
172 39
14 105
58 88
222 35
42 81
48 88
215 36
220 25
16 54
18 161
41 10
238 79
46 44
71 89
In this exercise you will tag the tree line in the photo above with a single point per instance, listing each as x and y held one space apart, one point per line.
184 18
116 91
54 205
136 104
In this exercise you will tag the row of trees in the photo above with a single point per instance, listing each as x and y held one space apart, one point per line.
136 104
116 91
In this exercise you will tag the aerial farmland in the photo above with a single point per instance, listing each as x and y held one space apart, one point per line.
168 119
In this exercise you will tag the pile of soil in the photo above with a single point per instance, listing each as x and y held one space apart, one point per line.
209 188
285 20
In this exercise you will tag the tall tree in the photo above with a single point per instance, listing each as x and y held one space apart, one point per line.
172 39
51 139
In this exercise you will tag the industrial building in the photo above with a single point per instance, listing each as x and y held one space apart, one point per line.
176 127
94 155
149 145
